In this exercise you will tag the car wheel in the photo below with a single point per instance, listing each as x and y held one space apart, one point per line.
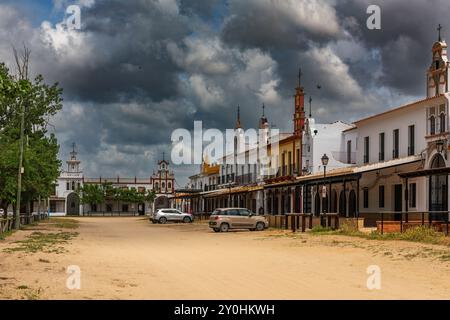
187 220
162 220
260 226
224 227
216 229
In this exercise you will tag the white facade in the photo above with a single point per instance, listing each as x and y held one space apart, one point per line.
65 200
320 139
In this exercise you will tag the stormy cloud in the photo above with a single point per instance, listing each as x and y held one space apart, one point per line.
139 69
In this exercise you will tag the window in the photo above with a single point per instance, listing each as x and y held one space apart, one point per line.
67 186
411 142
381 154
381 196
349 151
52 206
169 185
432 125
412 195
366 198
366 150
442 122
244 212
395 151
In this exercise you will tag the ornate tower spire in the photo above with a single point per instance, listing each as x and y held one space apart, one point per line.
73 164
263 123
439 32
438 75
299 112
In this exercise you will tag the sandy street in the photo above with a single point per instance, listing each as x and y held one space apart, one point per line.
130 258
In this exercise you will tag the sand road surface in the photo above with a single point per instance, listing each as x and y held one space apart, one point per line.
130 258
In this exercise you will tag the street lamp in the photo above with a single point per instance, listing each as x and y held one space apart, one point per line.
229 191
324 163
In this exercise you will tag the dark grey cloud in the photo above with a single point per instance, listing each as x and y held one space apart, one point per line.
139 69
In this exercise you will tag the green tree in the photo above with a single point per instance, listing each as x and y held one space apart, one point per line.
92 194
40 158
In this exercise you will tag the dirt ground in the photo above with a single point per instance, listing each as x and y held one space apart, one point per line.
130 258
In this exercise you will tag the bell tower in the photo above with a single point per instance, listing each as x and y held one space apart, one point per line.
73 164
438 75
299 114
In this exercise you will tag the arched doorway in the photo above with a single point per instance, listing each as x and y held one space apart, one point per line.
342 204
438 186
352 204
73 204
161 202
317 204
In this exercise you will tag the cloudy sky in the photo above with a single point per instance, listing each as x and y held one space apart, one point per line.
138 69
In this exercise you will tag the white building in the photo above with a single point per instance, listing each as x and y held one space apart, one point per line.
66 201
398 158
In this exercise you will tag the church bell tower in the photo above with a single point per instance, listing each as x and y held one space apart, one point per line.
299 114
438 75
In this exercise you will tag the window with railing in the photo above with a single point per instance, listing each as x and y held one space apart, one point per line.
396 144
381 153
432 125
366 150
411 140
442 122
349 151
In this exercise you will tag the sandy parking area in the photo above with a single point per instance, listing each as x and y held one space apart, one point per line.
130 258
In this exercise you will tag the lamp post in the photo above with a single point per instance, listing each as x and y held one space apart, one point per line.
229 191
324 163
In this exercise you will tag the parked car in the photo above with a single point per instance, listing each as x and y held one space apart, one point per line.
165 215
222 220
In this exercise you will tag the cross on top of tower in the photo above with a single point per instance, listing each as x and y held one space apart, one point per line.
439 32
73 153
264 108
300 77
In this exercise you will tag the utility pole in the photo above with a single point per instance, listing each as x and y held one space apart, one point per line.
19 178
22 66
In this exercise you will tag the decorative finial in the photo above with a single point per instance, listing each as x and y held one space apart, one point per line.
238 121
439 32
164 156
263 107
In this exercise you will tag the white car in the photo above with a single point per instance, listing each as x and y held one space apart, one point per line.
164 215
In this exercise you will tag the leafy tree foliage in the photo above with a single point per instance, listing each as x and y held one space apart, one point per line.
41 165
